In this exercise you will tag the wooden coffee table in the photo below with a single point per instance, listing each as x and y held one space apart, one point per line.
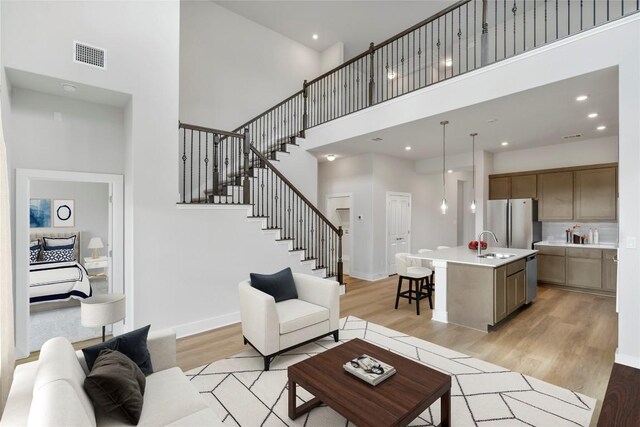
395 402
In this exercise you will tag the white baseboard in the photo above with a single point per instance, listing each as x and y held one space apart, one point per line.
440 316
368 276
625 359
343 289
205 325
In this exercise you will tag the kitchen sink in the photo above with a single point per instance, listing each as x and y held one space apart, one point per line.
495 255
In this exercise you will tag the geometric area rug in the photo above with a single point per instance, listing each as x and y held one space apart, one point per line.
482 394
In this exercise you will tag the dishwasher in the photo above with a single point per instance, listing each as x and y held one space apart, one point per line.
531 272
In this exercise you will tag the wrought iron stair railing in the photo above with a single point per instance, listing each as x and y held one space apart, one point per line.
222 167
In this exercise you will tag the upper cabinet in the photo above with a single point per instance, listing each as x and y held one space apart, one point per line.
524 187
555 196
500 188
586 193
595 194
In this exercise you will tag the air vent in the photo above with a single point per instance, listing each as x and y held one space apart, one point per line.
90 55
376 139
577 135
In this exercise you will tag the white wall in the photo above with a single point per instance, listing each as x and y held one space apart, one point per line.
577 153
232 69
570 57
301 168
91 209
331 57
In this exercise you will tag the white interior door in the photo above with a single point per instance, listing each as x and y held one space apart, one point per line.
398 227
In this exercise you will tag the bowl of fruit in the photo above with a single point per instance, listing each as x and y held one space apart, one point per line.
474 244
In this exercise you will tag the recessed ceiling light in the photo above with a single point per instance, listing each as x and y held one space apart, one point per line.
582 98
331 157
593 115
601 127
391 75
450 171
448 62
68 87
315 37
504 143
407 148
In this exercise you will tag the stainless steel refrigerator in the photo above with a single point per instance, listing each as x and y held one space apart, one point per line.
515 222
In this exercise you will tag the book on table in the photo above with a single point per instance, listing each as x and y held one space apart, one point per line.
369 369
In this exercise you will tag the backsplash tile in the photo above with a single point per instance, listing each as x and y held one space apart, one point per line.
555 231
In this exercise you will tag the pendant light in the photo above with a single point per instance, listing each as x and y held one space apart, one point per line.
443 206
473 161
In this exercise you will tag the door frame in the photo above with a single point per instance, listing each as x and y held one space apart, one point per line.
24 177
386 225
351 231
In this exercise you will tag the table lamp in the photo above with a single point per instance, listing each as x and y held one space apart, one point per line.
102 310
95 243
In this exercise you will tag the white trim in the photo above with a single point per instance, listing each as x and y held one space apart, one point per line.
208 324
386 227
625 359
440 312
23 184
211 206
351 228
368 276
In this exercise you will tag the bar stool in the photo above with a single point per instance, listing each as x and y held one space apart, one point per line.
416 274
429 264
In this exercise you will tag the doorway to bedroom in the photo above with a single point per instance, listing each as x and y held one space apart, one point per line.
72 223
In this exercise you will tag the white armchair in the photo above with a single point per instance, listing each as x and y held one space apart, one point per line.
274 328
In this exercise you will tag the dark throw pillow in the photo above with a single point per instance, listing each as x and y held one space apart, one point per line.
132 344
116 386
279 285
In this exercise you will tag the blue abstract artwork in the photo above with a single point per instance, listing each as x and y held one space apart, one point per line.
40 213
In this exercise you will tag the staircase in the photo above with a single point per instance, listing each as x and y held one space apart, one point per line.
225 168
237 168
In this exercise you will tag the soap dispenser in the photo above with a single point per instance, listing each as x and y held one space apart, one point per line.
596 237
591 236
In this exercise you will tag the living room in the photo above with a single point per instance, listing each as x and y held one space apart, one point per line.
177 285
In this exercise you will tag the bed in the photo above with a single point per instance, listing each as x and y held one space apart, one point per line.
58 280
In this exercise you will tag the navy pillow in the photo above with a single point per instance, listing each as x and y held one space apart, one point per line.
279 285
132 344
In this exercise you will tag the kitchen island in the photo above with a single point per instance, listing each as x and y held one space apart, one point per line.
478 292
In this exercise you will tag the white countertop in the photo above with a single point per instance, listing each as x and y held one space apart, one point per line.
575 245
464 255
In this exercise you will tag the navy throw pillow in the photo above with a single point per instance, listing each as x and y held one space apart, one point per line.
279 285
132 344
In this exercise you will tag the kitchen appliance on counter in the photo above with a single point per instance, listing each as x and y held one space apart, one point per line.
515 222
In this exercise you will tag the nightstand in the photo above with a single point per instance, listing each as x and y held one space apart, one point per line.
98 263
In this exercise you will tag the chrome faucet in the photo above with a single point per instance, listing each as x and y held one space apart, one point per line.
480 240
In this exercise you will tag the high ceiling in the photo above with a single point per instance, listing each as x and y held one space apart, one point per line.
355 23
537 117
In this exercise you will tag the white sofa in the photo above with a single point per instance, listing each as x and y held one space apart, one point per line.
274 328
50 392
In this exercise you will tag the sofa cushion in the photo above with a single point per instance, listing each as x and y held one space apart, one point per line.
132 344
279 285
116 386
58 362
296 314
56 404
169 396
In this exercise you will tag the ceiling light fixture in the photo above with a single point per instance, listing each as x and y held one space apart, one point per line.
504 143
582 97
593 115
315 37
67 87
331 157
448 62
407 148
443 206
473 162
450 171
391 75
601 127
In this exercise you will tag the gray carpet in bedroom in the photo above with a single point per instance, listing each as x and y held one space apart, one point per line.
62 321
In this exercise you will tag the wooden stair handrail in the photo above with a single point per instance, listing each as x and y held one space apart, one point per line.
209 130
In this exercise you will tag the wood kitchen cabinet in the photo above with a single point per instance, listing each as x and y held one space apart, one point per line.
516 289
500 294
596 193
609 270
555 196
524 186
551 268
584 272
500 188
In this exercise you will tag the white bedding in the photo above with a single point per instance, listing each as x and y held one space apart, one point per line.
55 281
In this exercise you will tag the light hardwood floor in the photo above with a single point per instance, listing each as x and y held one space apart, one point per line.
565 338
